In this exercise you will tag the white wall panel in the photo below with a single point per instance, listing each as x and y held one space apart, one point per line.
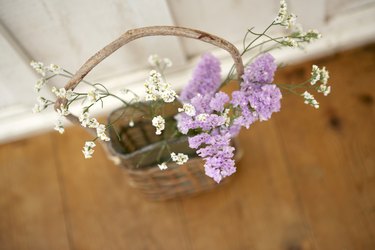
229 19
68 32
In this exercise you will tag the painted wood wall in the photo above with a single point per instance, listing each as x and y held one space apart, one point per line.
68 32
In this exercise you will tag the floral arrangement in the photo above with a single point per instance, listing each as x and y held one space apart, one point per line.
209 117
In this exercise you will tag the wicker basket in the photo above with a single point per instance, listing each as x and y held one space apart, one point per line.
139 150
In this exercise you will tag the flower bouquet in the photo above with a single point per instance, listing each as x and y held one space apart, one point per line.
175 144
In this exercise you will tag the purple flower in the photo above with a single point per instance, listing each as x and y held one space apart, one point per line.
218 155
201 103
264 99
261 70
257 98
218 101
206 78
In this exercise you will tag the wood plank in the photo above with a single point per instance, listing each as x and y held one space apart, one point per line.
331 153
259 209
104 212
306 181
30 202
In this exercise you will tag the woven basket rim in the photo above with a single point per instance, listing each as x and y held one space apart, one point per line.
144 149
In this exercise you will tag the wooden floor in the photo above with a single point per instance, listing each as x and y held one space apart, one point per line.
306 181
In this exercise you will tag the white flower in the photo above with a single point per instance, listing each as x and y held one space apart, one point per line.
287 41
324 75
38 67
168 95
311 35
291 20
188 109
315 74
131 123
163 166
59 126
159 123
283 18
167 62
63 110
86 121
39 84
62 93
88 149
202 117
310 100
93 96
283 12
156 88
41 105
100 131
226 117
156 61
324 89
153 60
179 158
84 118
54 69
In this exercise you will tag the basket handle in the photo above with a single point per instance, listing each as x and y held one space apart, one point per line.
134 34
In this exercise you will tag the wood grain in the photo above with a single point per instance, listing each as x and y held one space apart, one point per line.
306 181
31 209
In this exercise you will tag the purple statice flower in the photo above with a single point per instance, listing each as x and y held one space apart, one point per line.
218 102
206 78
261 70
218 155
201 103
205 118
257 98
264 99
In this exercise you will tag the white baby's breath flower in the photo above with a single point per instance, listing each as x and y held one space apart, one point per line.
168 95
153 60
54 69
291 20
59 126
63 93
86 121
161 63
93 96
310 100
84 118
284 18
324 75
323 88
159 123
290 42
163 166
88 149
63 110
315 74
188 109
100 131
41 105
179 158
39 84
202 117
157 88
283 12
167 62
226 117
38 67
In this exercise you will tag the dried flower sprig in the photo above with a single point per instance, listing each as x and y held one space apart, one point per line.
207 116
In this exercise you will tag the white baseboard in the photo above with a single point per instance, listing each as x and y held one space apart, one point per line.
346 31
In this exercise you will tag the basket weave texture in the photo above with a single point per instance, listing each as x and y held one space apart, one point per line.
139 151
